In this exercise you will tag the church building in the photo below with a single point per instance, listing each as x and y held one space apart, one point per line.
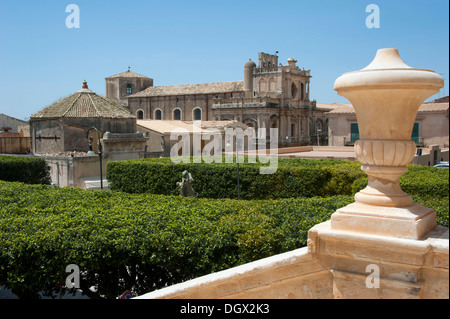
271 95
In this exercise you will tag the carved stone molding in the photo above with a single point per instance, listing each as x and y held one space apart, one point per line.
384 152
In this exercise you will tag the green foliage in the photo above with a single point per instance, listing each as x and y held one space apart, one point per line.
141 242
24 169
427 186
426 181
293 178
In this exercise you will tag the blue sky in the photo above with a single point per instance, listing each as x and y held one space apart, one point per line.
196 41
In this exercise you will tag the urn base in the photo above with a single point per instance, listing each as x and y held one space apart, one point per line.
402 222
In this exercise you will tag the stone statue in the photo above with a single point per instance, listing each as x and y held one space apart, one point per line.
185 186
91 139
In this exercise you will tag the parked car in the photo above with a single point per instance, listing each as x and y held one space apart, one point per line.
441 165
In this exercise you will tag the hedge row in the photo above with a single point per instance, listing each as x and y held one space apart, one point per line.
28 170
293 178
137 242
140 242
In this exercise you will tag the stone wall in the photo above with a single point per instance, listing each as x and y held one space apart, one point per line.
290 275
123 146
116 88
52 136
431 157
186 104
338 265
14 145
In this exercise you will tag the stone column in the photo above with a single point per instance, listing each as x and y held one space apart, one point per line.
383 233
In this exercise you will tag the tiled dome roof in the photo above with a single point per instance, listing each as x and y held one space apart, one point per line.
84 104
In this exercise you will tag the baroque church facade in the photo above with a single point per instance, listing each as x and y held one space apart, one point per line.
271 95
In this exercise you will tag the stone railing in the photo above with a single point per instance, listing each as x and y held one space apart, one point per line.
291 275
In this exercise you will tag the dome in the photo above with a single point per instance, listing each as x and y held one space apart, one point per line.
250 64
84 103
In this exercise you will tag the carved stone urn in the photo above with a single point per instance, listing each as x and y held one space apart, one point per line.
386 96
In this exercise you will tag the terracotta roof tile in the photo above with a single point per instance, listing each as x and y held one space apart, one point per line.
187 89
128 74
168 126
426 107
84 104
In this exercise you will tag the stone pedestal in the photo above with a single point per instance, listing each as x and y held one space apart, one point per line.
384 245
366 266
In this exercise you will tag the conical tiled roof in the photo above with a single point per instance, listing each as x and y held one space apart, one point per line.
84 104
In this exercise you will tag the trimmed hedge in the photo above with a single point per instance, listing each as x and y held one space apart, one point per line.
140 242
428 186
294 178
423 181
28 170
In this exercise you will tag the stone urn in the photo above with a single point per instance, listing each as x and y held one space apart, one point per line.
386 96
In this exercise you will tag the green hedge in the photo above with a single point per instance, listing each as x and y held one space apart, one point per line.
422 181
293 178
141 242
28 170
428 186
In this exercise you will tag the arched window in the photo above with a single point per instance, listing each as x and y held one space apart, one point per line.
293 90
197 114
262 85
177 114
129 91
274 121
271 84
140 115
158 115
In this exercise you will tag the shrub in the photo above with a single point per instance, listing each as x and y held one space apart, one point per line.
426 181
24 169
423 181
140 242
427 186
294 178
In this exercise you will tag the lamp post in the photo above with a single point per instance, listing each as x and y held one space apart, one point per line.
318 136
99 150
238 145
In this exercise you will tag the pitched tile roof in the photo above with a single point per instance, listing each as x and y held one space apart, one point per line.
188 89
84 104
428 107
128 74
425 107
169 126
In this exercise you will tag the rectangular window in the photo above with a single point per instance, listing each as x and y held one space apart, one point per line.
415 133
354 132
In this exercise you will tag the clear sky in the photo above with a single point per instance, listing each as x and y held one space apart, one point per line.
197 41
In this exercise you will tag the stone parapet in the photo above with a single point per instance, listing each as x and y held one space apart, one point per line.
373 266
290 275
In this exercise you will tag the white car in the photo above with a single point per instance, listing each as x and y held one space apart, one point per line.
441 165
